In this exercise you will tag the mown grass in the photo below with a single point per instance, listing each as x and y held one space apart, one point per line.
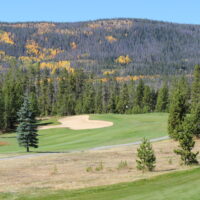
182 185
126 129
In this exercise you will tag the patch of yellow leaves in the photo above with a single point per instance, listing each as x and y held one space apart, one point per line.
2 54
32 48
131 78
6 37
38 53
53 66
123 59
109 72
111 39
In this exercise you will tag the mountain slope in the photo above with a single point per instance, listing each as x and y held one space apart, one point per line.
121 46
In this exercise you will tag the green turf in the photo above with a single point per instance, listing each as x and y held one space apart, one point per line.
126 129
179 185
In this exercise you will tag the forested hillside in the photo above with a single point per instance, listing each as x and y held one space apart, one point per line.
119 46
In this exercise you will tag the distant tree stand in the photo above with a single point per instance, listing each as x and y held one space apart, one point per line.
27 129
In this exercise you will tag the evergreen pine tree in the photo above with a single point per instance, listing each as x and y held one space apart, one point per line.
147 99
186 143
112 107
88 99
27 129
196 87
43 97
178 110
98 99
146 158
163 99
1 110
140 93
153 102
195 120
105 98
123 102
138 103
13 88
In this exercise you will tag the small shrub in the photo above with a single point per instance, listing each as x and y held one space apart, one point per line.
170 161
122 165
89 169
99 167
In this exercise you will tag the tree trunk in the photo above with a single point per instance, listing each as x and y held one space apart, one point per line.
27 148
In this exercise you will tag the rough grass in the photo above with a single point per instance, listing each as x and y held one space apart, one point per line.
179 185
78 170
126 129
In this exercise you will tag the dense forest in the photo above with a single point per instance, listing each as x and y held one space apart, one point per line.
68 93
118 46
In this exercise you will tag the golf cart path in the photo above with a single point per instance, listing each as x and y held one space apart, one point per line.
92 149
79 122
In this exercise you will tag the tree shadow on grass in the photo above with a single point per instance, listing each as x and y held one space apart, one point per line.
44 124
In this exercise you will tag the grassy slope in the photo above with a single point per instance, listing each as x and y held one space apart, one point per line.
179 185
126 129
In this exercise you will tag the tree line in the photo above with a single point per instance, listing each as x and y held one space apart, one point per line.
66 93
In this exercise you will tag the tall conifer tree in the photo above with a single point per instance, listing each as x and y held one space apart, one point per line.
196 87
178 109
163 99
27 129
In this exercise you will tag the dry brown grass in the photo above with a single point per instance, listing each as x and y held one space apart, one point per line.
69 171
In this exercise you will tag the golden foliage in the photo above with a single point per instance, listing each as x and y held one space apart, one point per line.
73 45
28 59
48 54
129 78
111 39
53 66
2 54
32 48
123 59
109 72
6 58
6 37
38 53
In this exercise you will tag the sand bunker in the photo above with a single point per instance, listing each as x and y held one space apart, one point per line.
79 122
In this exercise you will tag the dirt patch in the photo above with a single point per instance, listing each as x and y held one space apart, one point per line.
79 122
86 169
